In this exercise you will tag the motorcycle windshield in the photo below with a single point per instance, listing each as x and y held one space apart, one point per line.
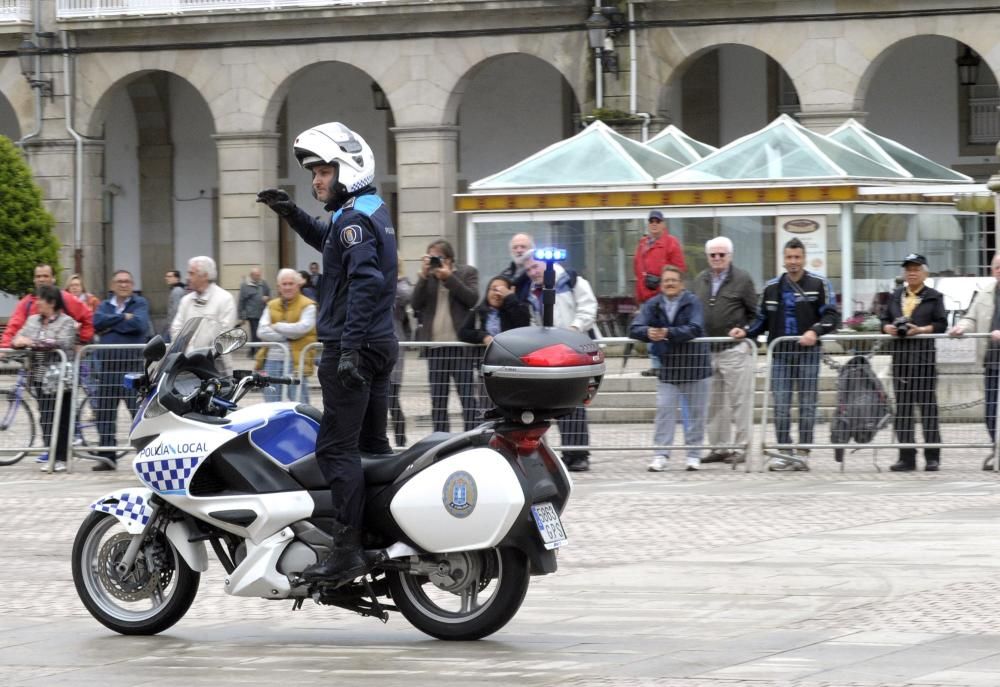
180 344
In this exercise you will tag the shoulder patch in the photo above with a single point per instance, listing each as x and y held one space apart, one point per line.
367 205
351 235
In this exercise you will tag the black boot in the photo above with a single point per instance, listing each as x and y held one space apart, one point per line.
907 461
346 561
933 458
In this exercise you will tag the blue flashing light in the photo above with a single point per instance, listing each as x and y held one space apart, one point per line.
550 254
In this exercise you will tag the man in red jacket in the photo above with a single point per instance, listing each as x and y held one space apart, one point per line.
27 306
656 249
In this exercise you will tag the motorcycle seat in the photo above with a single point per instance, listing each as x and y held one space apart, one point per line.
382 469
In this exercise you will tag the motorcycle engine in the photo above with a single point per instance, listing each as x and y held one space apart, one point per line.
295 558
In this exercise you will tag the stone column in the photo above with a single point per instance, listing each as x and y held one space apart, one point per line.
156 221
248 231
426 172
54 167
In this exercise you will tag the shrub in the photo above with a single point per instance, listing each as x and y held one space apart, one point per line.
26 227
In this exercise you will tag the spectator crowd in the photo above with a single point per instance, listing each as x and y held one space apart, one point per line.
705 387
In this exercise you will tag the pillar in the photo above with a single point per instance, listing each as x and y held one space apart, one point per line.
248 230
426 173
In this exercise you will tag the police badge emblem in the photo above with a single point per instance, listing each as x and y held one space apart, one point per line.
460 494
350 236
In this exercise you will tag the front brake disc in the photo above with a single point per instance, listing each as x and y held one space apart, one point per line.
137 584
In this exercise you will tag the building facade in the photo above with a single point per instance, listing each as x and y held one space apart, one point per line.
151 124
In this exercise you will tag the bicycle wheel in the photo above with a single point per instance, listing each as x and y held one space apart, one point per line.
85 433
17 427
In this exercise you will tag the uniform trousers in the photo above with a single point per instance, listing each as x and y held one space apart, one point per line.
354 422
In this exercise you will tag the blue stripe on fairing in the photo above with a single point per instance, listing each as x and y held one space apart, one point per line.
287 437
241 427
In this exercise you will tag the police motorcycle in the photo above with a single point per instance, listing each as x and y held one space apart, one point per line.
455 525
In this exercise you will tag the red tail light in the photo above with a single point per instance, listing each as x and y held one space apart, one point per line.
523 441
561 355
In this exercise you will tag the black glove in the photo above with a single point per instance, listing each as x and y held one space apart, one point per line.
277 200
651 281
347 370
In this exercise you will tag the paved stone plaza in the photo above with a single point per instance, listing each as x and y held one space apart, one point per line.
709 579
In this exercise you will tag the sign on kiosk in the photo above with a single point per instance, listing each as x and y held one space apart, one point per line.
811 231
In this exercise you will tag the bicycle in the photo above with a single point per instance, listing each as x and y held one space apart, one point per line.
85 431
17 416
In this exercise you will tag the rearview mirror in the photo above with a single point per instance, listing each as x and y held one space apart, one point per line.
155 349
229 341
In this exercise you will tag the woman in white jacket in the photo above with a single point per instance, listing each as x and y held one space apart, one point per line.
575 308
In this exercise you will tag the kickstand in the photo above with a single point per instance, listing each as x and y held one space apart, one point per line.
297 604
377 610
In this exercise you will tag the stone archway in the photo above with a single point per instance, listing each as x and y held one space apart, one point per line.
912 88
511 106
159 179
722 92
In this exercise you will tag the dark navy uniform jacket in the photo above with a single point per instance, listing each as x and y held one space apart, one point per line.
358 290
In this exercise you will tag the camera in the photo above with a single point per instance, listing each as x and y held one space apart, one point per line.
434 261
902 325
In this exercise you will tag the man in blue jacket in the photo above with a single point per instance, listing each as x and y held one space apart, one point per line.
670 320
121 319
802 305
356 300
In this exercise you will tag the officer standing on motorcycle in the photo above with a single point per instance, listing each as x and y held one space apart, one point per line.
356 299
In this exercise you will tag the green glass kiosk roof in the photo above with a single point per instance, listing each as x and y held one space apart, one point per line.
893 154
783 151
597 156
678 145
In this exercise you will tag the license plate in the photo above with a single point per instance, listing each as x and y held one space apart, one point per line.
549 525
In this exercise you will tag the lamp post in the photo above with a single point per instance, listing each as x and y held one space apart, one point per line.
597 30
29 56
379 98
968 67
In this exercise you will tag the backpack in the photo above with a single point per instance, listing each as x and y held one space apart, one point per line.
862 404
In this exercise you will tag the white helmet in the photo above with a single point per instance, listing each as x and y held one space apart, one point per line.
334 144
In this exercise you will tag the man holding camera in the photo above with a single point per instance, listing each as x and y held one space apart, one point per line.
442 297
915 309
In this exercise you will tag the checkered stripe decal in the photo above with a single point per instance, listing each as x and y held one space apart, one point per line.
128 506
167 474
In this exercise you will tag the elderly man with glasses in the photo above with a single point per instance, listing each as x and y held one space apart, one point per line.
205 299
729 301
121 319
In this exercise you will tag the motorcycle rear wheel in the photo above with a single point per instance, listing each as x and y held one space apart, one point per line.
150 599
487 600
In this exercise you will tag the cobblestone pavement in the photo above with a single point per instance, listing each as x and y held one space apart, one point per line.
708 579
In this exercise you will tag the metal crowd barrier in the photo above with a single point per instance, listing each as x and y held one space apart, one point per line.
103 409
36 386
848 380
102 406
437 387
871 391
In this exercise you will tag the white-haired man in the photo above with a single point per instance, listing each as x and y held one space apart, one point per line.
521 246
207 300
729 301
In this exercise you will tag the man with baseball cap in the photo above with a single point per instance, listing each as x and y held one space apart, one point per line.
915 309
655 250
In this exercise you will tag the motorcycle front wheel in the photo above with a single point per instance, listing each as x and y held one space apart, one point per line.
471 594
151 597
